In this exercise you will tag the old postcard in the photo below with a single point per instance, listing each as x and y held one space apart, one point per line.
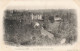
39 25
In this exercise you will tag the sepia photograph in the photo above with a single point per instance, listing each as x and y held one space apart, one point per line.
40 27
